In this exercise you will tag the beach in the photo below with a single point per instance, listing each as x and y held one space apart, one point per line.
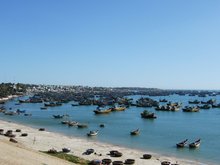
17 154
44 140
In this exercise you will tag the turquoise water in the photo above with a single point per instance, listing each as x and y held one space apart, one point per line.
159 135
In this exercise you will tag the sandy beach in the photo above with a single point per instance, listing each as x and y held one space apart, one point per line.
17 154
44 140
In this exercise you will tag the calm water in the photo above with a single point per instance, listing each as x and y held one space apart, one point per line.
159 135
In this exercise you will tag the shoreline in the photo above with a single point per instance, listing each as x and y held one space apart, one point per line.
5 99
45 140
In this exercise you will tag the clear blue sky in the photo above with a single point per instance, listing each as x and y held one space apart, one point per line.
169 44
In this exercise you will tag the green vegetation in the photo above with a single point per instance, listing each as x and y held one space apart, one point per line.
7 89
68 157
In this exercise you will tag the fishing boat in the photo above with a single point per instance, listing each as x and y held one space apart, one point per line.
190 109
27 114
66 150
82 125
194 102
135 132
181 144
58 116
72 123
195 144
20 111
163 100
2 102
65 122
206 106
75 105
148 115
24 101
211 101
10 113
99 111
165 163
52 104
120 108
216 106
92 133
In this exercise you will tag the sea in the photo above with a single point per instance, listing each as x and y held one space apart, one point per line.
158 136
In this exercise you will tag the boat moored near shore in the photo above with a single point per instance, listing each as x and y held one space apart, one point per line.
135 132
195 144
182 144
92 133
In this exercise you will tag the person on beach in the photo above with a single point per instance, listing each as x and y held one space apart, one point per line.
34 140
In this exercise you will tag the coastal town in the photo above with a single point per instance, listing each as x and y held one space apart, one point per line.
8 90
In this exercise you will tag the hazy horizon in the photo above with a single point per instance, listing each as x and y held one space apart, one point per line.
153 44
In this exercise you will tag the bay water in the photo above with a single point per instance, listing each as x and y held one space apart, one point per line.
159 135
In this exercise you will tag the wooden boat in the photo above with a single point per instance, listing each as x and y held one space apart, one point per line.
65 122
2 102
191 109
52 104
117 162
92 133
129 161
98 111
163 100
195 144
135 132
148 115
211 101
66 150
194 102
147 156
24 134
118 108
181 144
102 125
75 105
206 106
41 129
27 114
2 109
17 130
165 163
216 106
10 113
72 123
58 116
24 101
168 108
13 140
82 125
106 161
20 111
115 153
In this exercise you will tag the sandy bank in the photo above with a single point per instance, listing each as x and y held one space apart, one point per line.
37 140
16 154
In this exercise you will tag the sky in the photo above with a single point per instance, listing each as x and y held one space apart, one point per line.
168 44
